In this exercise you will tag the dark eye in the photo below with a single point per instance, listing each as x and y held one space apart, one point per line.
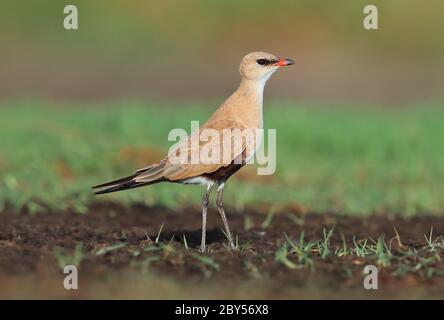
262 62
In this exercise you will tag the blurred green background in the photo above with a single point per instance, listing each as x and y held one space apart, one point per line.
191 49
358 117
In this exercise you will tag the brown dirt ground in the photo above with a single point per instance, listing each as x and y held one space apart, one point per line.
139 269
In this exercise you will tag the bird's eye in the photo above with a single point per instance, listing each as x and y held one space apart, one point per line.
262 62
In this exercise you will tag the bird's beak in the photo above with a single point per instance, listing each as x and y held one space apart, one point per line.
283 62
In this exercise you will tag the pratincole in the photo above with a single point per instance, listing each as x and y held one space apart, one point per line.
241 112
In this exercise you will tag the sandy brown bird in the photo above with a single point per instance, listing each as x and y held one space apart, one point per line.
242 111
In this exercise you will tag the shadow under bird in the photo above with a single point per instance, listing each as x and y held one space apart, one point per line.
241 111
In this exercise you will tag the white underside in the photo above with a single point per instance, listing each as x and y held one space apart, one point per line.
197 180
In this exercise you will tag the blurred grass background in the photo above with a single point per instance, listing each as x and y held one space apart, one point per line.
175 50
358 117
346 161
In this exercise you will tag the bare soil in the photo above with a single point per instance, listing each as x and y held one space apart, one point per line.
123 255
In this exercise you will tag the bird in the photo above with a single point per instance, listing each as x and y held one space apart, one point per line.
241 111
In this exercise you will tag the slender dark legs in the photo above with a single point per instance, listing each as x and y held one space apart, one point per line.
205 202
220 208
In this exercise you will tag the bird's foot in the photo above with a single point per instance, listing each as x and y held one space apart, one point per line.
231 245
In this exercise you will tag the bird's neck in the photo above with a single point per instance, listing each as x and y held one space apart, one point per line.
252 93
254 89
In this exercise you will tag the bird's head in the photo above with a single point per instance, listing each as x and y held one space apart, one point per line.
261 65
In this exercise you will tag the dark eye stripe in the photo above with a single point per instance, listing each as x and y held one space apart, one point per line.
262 62
265 62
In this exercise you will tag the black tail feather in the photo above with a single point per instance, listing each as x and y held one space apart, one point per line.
116 182
151 175
128 185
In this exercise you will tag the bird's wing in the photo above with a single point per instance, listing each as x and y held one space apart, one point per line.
207 150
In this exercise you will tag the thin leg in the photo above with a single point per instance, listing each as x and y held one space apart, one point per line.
205 202
219 204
